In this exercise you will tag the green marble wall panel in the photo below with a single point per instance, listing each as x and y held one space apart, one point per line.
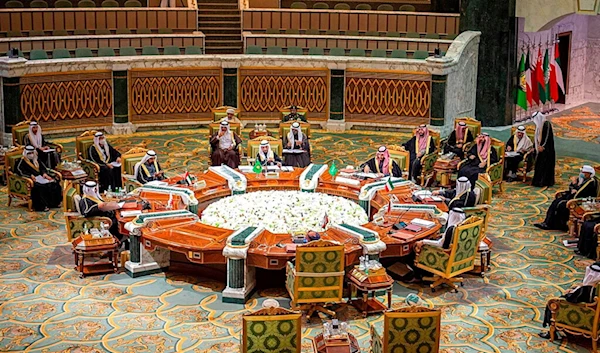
120 97
12 103
336 96
438 99
230 87
497 57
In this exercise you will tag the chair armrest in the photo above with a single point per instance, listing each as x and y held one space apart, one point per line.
55 174
290 277
440 256
57 146
496 171
561 309
467 146
590 215
376 340
460 164
19 185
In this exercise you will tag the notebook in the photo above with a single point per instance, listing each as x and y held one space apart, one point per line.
413 228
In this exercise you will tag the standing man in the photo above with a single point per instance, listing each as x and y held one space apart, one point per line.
546 155
109 160
294 116
224 145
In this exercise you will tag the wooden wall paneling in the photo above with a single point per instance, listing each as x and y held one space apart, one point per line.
5 21
412 46
69 21
313 17
14 23
431 24
145 42
58 22
452 24
142 19
440 25
79 20
172 20
162 19
256 20
111 43
402 24
111 20
276 20
246 20
186 42
363 22
295 21
421 24
411 23
152 19
30 45
37 18
99 21
26 24
344 20
392 23
373 22
325 20
131 19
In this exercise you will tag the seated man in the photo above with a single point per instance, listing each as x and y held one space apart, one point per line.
460 197
149 169
35 138
588 239
583 186
418 146
231 118
584 293
294 116
382 164
224 145
521 144
92 205
266 156
296 140
46 192
480 157
109 160
457 139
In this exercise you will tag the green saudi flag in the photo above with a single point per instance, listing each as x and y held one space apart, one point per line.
257 167
333 169
522 90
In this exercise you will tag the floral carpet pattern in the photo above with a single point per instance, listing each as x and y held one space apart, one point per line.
46 307
579 123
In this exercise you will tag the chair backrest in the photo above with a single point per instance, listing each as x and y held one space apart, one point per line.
214 126
372 33
432 36
63 4
61 54
83 53
19 131
161 30
221 112
193 50
130 158
294 51
143 31
37 33
413 35
385 7
465 242
357 52
38 4
473 125
412 329
337 52
393 34
83 143
407 8
272 31
320 5
109 3
123 31
150 50
102 31
15 34
292 31
127 51
284 128
312 31
319 272
254 49
172 50
286 110
363 7
483 187
332 32
352 33
420 54
298 5
254 145
86 3
274 50
316 51
38 54
132 3
11 158
14 4
399 54
400 156
499 146
481 211
378 53
341 6
106 51
272 330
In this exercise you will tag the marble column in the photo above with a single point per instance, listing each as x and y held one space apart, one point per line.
121 124
337 88
230 87
438 99
497 69
11 106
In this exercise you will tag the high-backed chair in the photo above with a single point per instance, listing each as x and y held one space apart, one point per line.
221 112
20 130
408 329
284 128
287 109
317 277
271 330
128 160
213 127
473 125
20 187
447 264
495 171
483 189
401 157
254 147
582 319
74 220
576 220
528 162
82 147
428 160
485 245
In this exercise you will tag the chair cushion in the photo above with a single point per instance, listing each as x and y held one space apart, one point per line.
271 335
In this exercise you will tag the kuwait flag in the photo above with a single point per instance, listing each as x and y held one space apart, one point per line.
522 90
389 186
556 76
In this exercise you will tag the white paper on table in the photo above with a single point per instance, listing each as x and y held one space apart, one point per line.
121 204
287 169
157 183
115 164
245 168
78 172
41 180
511 154
294 151
131 213
273 167
49 150
366 175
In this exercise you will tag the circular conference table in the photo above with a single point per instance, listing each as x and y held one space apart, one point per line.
204 244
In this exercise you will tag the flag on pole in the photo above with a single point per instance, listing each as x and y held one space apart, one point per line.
557 69
389 186
187 178
528 80
522 90
324 221
257 167
535 97
333 169
553 89
539 79
546 76
390 203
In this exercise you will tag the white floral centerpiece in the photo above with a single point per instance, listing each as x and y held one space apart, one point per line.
282 211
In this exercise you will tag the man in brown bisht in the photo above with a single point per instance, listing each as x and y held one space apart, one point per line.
224 145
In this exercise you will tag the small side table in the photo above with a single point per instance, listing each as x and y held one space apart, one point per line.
73 174
343 344
86 245
445 168
369 284
254 134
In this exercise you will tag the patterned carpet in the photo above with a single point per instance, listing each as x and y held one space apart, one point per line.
46 307
579 123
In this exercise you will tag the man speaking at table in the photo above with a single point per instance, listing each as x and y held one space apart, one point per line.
382 164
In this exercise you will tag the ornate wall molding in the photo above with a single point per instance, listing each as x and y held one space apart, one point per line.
264 91
66 96
389 97
174 93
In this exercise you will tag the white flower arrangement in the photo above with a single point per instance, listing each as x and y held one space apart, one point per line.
282 211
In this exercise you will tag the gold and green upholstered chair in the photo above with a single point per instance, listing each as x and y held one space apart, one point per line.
401 157
221 112
235 127
447 264
528 162
428 160
495 171
74 220
128 161
20 187
271 330
254 147
300 110
483 189
580 319
82 147
20 130
410 329
317 277
284 128
485 245
473 125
